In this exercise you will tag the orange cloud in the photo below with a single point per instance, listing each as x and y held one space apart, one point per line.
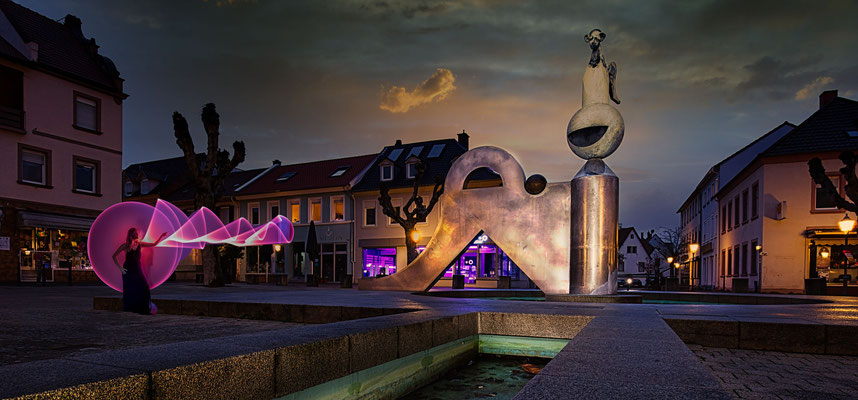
399 100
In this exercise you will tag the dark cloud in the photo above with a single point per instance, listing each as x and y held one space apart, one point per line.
300 80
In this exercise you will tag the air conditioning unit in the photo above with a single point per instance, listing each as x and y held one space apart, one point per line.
780 210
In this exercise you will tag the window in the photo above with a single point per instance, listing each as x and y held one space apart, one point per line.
736 260
369 213
723 262
410 170
745 206
641 266
338 209
622 266
295 211
631 249
387 172
745 259
34 165
145 186
339 172
822 200
129 188
436 151
729 214
86 112
396 205
273 209
316 210
723 219
285 177
253 213
86 175
394 154
754 255
755 200
736 211
729 262
11 98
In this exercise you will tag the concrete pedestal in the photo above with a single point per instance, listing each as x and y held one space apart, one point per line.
594 215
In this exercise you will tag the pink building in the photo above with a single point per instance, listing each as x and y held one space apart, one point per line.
60 144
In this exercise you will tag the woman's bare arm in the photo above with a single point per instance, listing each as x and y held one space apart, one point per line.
156 242
120 249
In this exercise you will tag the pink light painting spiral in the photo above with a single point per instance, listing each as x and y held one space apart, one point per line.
183 235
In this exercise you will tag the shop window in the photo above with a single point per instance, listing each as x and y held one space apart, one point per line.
34 166
745 206
334 261
755 200
87 112
259 259
338 208
316 210
86 175
823 200
379 261
295 211
754 257
369 215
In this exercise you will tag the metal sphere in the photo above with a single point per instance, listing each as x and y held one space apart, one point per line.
535 184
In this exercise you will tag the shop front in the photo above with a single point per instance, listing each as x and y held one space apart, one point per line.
832 257
53 248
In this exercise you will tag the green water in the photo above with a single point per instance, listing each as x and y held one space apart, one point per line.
487 376
645 301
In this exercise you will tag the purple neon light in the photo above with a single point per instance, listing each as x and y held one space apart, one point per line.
183 234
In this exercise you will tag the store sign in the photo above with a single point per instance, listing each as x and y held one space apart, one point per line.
4 242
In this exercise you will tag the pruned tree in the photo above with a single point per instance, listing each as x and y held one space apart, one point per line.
673 244
408 217
207 177
817 173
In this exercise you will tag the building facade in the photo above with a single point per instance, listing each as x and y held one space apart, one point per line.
782 229
701 211
60 144
317 192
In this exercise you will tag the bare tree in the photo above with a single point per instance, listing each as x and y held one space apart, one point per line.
208 177
414 215
673 244
817 173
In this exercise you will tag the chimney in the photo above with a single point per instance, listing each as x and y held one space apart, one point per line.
276 163
463 139
826 97
73 23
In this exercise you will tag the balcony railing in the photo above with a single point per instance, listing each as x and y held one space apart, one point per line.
12 117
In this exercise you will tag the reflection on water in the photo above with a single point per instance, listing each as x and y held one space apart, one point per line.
488 376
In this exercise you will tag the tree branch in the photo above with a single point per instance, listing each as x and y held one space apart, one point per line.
186 143
387 205
817 173
211 123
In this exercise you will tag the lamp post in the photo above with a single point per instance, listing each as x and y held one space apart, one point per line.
693 247
670 265
628 284
846 225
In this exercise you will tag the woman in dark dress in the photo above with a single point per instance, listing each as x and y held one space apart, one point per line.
135 289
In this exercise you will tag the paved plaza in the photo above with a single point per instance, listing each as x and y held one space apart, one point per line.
57 327
751 374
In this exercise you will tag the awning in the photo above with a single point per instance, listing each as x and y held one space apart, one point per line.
55 221
827 233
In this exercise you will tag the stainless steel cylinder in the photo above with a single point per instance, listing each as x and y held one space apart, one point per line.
595 213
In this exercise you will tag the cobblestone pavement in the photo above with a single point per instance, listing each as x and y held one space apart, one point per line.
38 323
749 374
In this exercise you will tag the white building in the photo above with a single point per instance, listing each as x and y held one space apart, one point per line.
635 261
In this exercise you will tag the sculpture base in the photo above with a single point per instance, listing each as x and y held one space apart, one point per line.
594 218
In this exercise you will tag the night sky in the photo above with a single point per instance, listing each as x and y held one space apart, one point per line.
303 81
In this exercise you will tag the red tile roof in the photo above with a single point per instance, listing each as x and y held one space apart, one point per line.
311 175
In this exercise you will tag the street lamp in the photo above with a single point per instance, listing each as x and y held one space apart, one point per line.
628 284
693 247
846 225
415 236
824 252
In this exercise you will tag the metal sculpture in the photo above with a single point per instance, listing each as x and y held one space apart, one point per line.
562 235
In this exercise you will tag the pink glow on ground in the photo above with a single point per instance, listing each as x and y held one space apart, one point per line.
183 234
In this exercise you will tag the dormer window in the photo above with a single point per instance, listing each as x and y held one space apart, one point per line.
129 188
339 172
387 172
411 170
145 186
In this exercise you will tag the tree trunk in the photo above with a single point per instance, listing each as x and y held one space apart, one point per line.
410 245
212 273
